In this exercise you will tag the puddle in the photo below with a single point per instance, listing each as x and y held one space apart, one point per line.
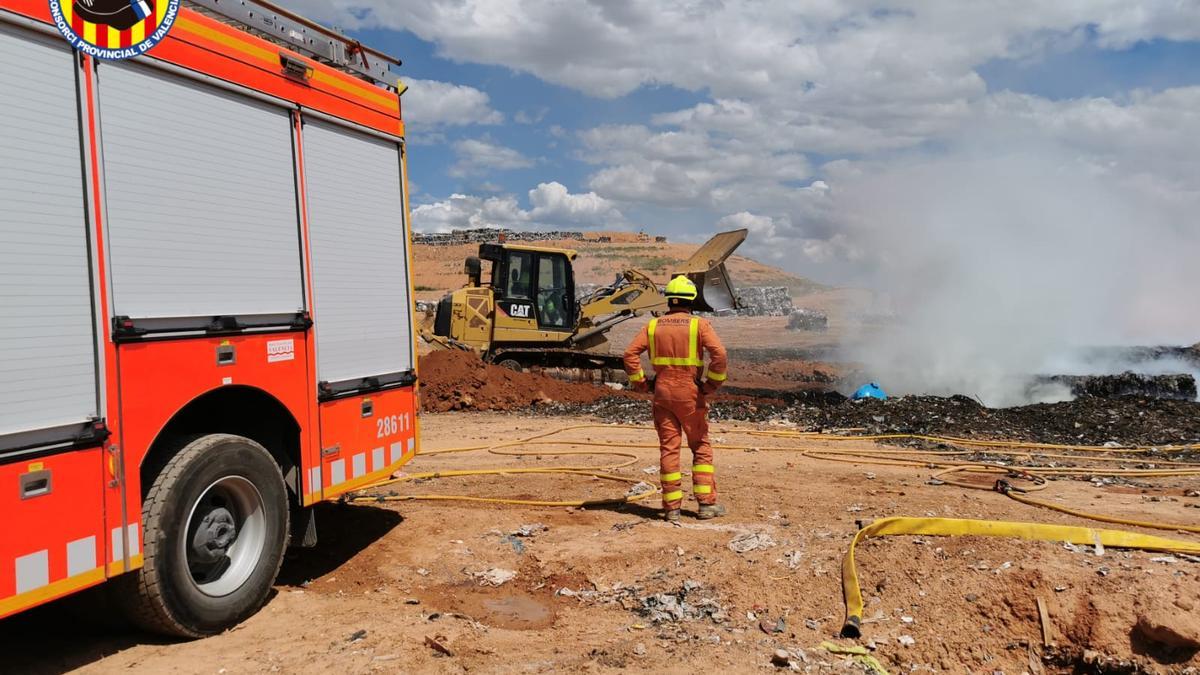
498 607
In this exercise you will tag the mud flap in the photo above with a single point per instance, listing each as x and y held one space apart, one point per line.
304 528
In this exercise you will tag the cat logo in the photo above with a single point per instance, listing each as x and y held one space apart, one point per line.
520 311
114 29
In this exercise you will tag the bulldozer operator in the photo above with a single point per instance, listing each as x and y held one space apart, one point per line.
676 343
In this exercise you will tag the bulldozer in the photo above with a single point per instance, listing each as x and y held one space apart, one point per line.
527 314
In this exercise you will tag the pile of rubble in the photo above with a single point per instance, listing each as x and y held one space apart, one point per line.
808 319
484 235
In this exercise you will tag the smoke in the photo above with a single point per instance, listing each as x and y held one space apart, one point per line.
997 263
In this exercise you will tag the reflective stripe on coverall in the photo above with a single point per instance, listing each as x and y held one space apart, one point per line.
676 343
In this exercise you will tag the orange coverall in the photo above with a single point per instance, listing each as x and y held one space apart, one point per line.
676 343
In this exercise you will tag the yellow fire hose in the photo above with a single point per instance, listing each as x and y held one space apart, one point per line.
600 472
947 527
945 462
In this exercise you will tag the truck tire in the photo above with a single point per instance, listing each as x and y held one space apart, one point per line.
216 526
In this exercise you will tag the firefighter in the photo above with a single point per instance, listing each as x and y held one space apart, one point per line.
676 343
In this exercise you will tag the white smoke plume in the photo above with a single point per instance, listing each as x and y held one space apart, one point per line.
1000 262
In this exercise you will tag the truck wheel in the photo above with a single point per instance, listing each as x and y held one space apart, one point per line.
216 525
511 364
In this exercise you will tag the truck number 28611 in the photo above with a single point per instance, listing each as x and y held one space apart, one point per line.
393 424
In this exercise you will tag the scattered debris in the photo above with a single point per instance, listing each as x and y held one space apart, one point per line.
495 576
357 635
639 488
529 530
792 559
768 626
906 640
751 541
438 644
691 602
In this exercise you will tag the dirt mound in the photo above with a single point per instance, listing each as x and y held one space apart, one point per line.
459 380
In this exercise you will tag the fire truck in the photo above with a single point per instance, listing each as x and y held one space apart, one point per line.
205 304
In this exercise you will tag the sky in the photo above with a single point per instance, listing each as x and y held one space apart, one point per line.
823 126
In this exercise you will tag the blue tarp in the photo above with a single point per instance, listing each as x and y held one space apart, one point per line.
871 390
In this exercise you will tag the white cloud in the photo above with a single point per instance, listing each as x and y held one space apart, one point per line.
430 103
480 155
552 202
554 206
531 116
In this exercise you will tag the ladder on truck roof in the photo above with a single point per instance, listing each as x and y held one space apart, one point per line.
288 29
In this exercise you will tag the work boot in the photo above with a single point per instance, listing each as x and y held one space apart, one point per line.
671 515
709 511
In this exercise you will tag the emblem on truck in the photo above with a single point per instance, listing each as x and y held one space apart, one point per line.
114 29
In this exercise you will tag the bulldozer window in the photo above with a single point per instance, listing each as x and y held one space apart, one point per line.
520 275
552 297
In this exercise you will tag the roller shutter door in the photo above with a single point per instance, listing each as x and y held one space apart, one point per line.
359 254
201 198
47 335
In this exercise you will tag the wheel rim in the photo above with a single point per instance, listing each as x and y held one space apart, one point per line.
226 532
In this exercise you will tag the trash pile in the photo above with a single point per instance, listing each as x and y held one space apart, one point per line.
1086 421
1181 387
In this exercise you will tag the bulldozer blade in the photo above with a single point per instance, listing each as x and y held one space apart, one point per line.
706 269
715 251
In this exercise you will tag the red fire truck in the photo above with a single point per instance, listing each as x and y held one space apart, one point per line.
205 306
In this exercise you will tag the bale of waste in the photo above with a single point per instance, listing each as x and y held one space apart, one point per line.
808 319
764 301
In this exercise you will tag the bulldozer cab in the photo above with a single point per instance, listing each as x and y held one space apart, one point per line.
534 287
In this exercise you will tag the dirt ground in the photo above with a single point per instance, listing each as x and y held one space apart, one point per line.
390 580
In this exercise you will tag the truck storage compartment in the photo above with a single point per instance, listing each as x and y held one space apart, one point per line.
356 225
201 198
47 329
